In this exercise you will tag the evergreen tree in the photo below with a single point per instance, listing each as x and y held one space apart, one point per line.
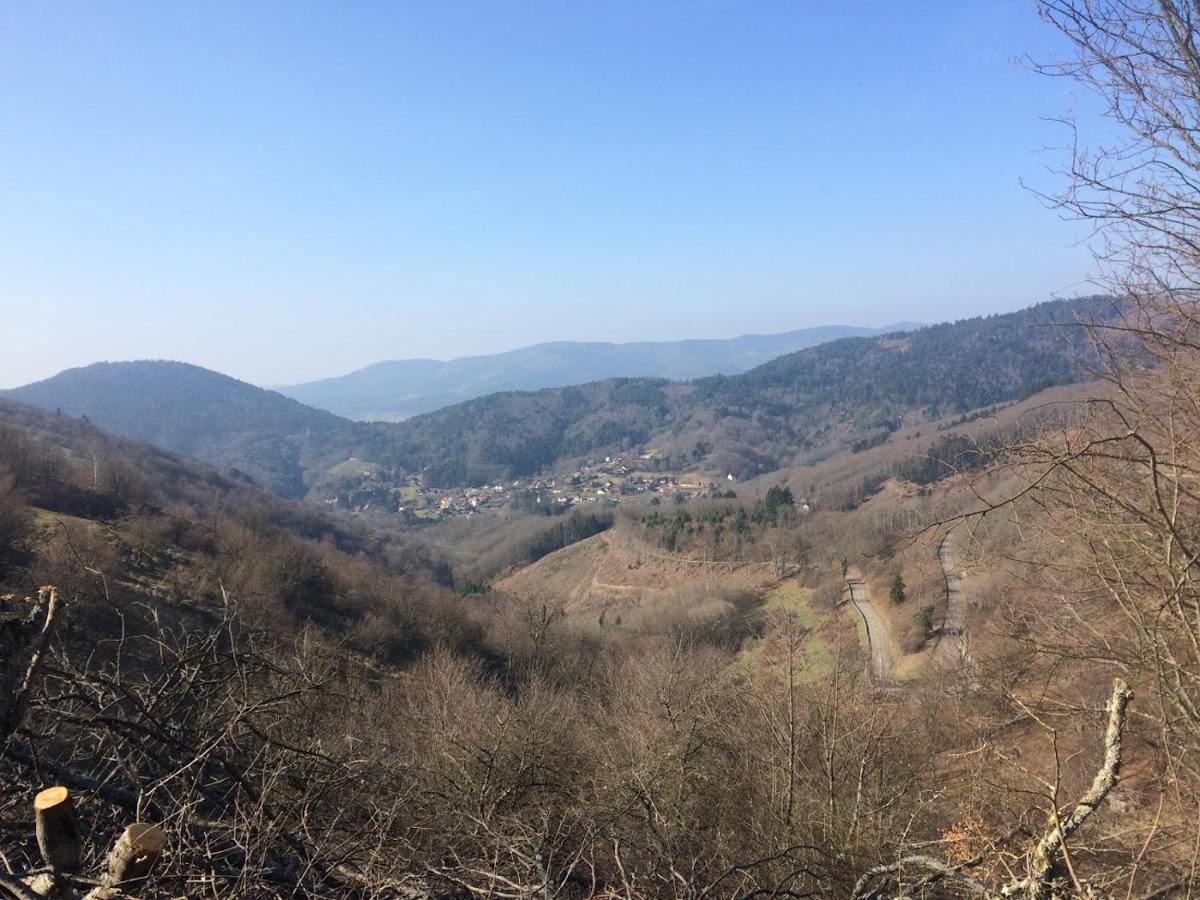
777 498
925 621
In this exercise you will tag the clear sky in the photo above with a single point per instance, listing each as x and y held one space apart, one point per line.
293 190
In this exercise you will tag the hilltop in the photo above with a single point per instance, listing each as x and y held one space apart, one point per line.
192 410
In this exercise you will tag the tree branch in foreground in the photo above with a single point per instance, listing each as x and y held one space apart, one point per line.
1042 880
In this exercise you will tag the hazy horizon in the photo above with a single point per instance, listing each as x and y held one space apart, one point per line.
285 196
366 365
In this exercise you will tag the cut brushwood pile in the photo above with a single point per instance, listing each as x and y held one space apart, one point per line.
25 633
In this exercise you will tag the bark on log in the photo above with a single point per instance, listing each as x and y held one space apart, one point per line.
51 886
14 889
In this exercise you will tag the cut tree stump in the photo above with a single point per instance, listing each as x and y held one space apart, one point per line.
58 834
131 858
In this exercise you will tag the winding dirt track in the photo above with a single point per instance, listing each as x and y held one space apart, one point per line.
878 644
951 649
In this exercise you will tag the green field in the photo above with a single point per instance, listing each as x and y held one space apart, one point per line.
791 598
353 467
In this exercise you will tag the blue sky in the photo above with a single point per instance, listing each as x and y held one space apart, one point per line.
292 190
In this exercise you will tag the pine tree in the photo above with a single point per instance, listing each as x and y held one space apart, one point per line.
925 621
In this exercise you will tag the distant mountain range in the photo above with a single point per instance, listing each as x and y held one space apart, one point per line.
398 389
810 402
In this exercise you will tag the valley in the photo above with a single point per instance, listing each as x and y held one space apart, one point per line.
907 612
609 585
793 410
607 482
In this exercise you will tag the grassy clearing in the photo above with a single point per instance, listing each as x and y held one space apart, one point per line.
53 521
353 467
791 598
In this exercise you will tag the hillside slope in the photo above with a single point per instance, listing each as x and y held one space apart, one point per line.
192 410
396 389
200 612
801 405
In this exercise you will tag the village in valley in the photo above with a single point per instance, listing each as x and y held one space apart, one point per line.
363 487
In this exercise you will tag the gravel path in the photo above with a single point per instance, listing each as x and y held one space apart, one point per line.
951 648
877 630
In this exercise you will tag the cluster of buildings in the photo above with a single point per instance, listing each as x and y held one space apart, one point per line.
608 481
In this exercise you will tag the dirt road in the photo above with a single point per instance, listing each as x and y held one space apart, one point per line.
878 643
951 648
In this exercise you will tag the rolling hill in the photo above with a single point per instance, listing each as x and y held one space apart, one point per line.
188 409
397 389
799 406
804 404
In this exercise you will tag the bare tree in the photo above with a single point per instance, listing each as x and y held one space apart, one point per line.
1114 489
1124 474
1140 59
1048 869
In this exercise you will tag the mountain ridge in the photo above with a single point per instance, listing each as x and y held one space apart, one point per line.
395 389
806 403
797 406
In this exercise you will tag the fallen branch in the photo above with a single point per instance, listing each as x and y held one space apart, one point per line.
24 659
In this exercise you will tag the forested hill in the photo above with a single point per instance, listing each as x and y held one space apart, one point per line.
399 388
517 434
811 401
949 367
199 412
805 403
